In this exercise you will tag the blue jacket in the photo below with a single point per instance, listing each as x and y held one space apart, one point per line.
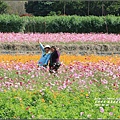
45 57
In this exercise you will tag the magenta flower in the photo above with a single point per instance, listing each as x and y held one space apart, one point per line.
101 109
112 107
111 113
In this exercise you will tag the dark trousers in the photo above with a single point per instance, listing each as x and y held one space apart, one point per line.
53 67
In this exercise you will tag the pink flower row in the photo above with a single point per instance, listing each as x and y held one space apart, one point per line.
59 37
79 75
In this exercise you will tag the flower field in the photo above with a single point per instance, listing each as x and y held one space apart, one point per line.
59 37
85 87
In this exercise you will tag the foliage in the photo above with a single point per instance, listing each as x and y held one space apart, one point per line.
11 23
56 24
38 8
82 8
19 104
3 7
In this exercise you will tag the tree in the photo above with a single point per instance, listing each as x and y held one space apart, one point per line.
73 7
38 8
3 7
113 8
68 7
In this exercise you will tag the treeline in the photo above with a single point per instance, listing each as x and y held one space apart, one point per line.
56 24
73 7
61 7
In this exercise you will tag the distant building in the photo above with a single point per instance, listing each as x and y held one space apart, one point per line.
16 7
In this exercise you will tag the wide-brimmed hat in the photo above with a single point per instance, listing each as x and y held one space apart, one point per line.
47 46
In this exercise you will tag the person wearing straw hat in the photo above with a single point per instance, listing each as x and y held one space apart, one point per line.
45 55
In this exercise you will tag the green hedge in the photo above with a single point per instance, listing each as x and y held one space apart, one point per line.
54 24
11 23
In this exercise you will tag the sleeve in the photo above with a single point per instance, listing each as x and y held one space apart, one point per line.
48 57
42 48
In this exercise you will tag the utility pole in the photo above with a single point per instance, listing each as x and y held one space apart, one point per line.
102 8
103 14
88 7
64 7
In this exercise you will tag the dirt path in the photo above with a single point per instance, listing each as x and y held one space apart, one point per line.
73 48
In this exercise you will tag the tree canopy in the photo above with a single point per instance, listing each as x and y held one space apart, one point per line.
3 7
82 8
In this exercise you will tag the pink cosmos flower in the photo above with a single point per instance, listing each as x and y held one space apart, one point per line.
32 76
101 109
112 106
111 113
90 82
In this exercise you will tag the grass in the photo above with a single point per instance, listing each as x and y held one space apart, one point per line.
49 104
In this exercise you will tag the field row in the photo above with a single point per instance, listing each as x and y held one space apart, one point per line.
58 37
22 70
65 59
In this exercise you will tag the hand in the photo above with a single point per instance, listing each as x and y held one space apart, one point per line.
39 41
